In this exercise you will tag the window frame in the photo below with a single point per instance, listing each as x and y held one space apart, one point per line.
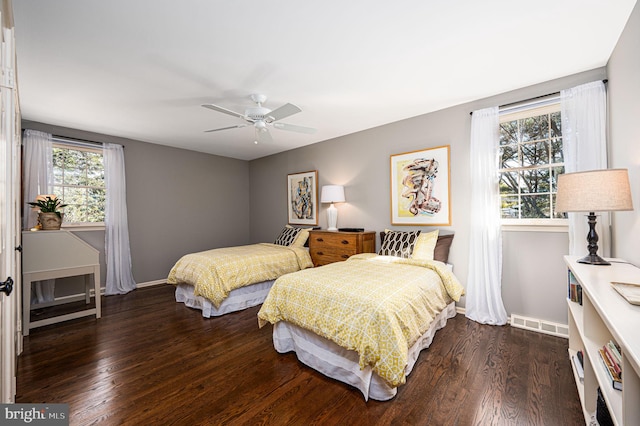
545 105
95 147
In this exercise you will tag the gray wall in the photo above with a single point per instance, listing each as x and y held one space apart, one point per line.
178 202
534 282
624 133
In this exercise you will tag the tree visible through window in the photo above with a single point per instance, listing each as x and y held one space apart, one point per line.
79 181
530 161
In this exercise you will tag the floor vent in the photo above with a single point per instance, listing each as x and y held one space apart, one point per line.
541 326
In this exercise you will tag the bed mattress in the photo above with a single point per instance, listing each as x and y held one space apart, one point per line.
238 299
341 364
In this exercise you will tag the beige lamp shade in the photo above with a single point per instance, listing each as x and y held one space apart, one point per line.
332 194
593 191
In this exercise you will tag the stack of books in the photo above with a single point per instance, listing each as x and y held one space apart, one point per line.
612 359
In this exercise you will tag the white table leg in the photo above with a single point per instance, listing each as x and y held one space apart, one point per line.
26 304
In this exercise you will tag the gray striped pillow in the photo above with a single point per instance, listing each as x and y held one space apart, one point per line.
398 243
287 236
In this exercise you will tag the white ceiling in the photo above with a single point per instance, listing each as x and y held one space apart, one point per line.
141 69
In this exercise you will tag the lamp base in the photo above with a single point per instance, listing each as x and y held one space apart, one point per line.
592 244
332 218
593 259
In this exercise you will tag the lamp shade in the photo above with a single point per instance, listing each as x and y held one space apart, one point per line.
595 190
332 194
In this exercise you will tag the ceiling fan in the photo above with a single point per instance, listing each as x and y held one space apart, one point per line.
261 117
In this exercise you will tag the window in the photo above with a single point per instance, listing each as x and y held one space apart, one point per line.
530 161
78 173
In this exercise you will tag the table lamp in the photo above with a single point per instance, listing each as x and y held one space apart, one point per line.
592 191
332 194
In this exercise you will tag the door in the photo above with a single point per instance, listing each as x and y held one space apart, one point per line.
10 340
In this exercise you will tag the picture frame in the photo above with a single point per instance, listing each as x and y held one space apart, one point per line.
420 187
302 198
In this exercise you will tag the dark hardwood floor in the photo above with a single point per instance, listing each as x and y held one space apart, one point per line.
152 361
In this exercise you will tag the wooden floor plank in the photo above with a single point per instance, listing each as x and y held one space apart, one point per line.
150 360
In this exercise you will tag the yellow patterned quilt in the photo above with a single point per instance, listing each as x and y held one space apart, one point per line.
214 273
375 305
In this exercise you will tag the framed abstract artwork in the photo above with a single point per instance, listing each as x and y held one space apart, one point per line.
302 198
420 187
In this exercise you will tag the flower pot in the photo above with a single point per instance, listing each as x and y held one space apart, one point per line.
50 221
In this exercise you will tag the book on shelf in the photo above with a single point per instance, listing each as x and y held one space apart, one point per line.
616 380
615 351
575 292
579 369
612 360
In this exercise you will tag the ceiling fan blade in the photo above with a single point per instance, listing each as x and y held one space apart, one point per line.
284 111
263 136
226 128
294 128
223 110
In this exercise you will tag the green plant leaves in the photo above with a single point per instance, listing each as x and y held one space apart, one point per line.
48 205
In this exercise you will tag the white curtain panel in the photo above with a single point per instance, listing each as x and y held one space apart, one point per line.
37 178
117 251
584 118
38 172
484 283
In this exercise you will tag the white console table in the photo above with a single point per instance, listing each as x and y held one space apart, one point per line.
57 254
605 315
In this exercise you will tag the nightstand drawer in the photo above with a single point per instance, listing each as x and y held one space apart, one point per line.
331 246
342 242
322 257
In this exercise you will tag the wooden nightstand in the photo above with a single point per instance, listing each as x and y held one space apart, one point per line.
334 246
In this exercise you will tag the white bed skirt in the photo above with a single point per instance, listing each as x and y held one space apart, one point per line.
238 299
341 364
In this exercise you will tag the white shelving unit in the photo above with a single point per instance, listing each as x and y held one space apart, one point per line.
603 316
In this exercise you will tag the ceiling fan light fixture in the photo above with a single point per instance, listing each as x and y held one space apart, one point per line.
261 117
256 113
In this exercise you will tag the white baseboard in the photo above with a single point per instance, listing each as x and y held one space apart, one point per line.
533 324
151 283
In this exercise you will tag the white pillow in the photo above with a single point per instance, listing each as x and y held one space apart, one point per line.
302 237
425 245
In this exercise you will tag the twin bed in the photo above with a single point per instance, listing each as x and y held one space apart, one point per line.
230 279
363 321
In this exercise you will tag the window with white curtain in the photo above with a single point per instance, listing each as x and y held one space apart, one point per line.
531 159
78 180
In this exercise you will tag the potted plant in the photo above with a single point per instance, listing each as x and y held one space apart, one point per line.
50 218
